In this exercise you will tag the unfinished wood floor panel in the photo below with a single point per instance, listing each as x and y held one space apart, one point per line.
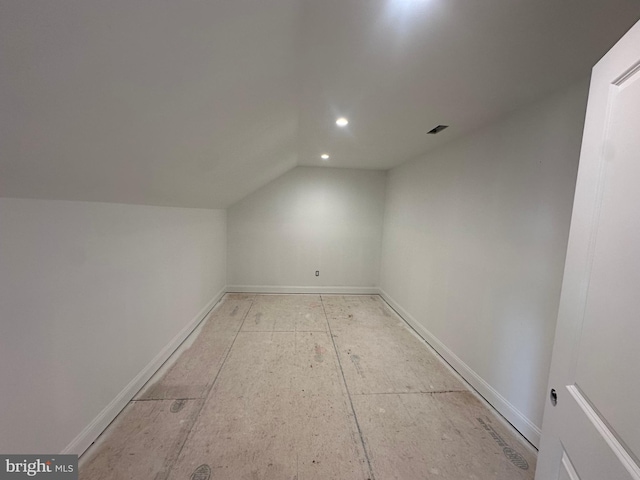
393 362
439 436
380 355
193 372
278 410
286 313
142 443
358 310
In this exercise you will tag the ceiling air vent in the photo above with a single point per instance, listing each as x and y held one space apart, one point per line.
437 129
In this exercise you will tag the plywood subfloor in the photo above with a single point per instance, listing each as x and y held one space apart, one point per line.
379 354
286 313
193 373
307 387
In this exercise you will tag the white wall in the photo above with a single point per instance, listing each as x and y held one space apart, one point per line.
90 295
311 218
475 236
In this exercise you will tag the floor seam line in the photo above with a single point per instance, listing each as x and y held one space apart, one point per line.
284 331
411 393
344 380
166 399
206 396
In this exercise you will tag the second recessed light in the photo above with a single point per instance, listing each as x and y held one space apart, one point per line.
324 156
342 122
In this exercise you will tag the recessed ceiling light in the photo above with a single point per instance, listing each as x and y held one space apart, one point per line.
342 122
324 156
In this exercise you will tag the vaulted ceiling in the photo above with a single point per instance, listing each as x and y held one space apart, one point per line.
197 103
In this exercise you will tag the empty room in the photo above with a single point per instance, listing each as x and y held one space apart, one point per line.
319 239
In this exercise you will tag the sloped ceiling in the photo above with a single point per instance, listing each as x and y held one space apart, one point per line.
199 103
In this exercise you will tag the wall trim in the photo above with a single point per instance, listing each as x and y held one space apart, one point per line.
310 289
93 430
516 418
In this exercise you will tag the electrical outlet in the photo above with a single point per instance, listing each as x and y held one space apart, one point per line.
317 273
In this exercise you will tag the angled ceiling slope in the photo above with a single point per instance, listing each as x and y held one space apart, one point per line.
198 104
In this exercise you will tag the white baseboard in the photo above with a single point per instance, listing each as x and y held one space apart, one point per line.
311 289
529 430
91 432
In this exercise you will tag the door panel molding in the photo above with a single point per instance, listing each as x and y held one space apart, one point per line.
618 449
568 470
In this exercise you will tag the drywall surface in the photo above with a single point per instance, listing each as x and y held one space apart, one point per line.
311 218
475 237
90 293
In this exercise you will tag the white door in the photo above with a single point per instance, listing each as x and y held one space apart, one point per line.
593 432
